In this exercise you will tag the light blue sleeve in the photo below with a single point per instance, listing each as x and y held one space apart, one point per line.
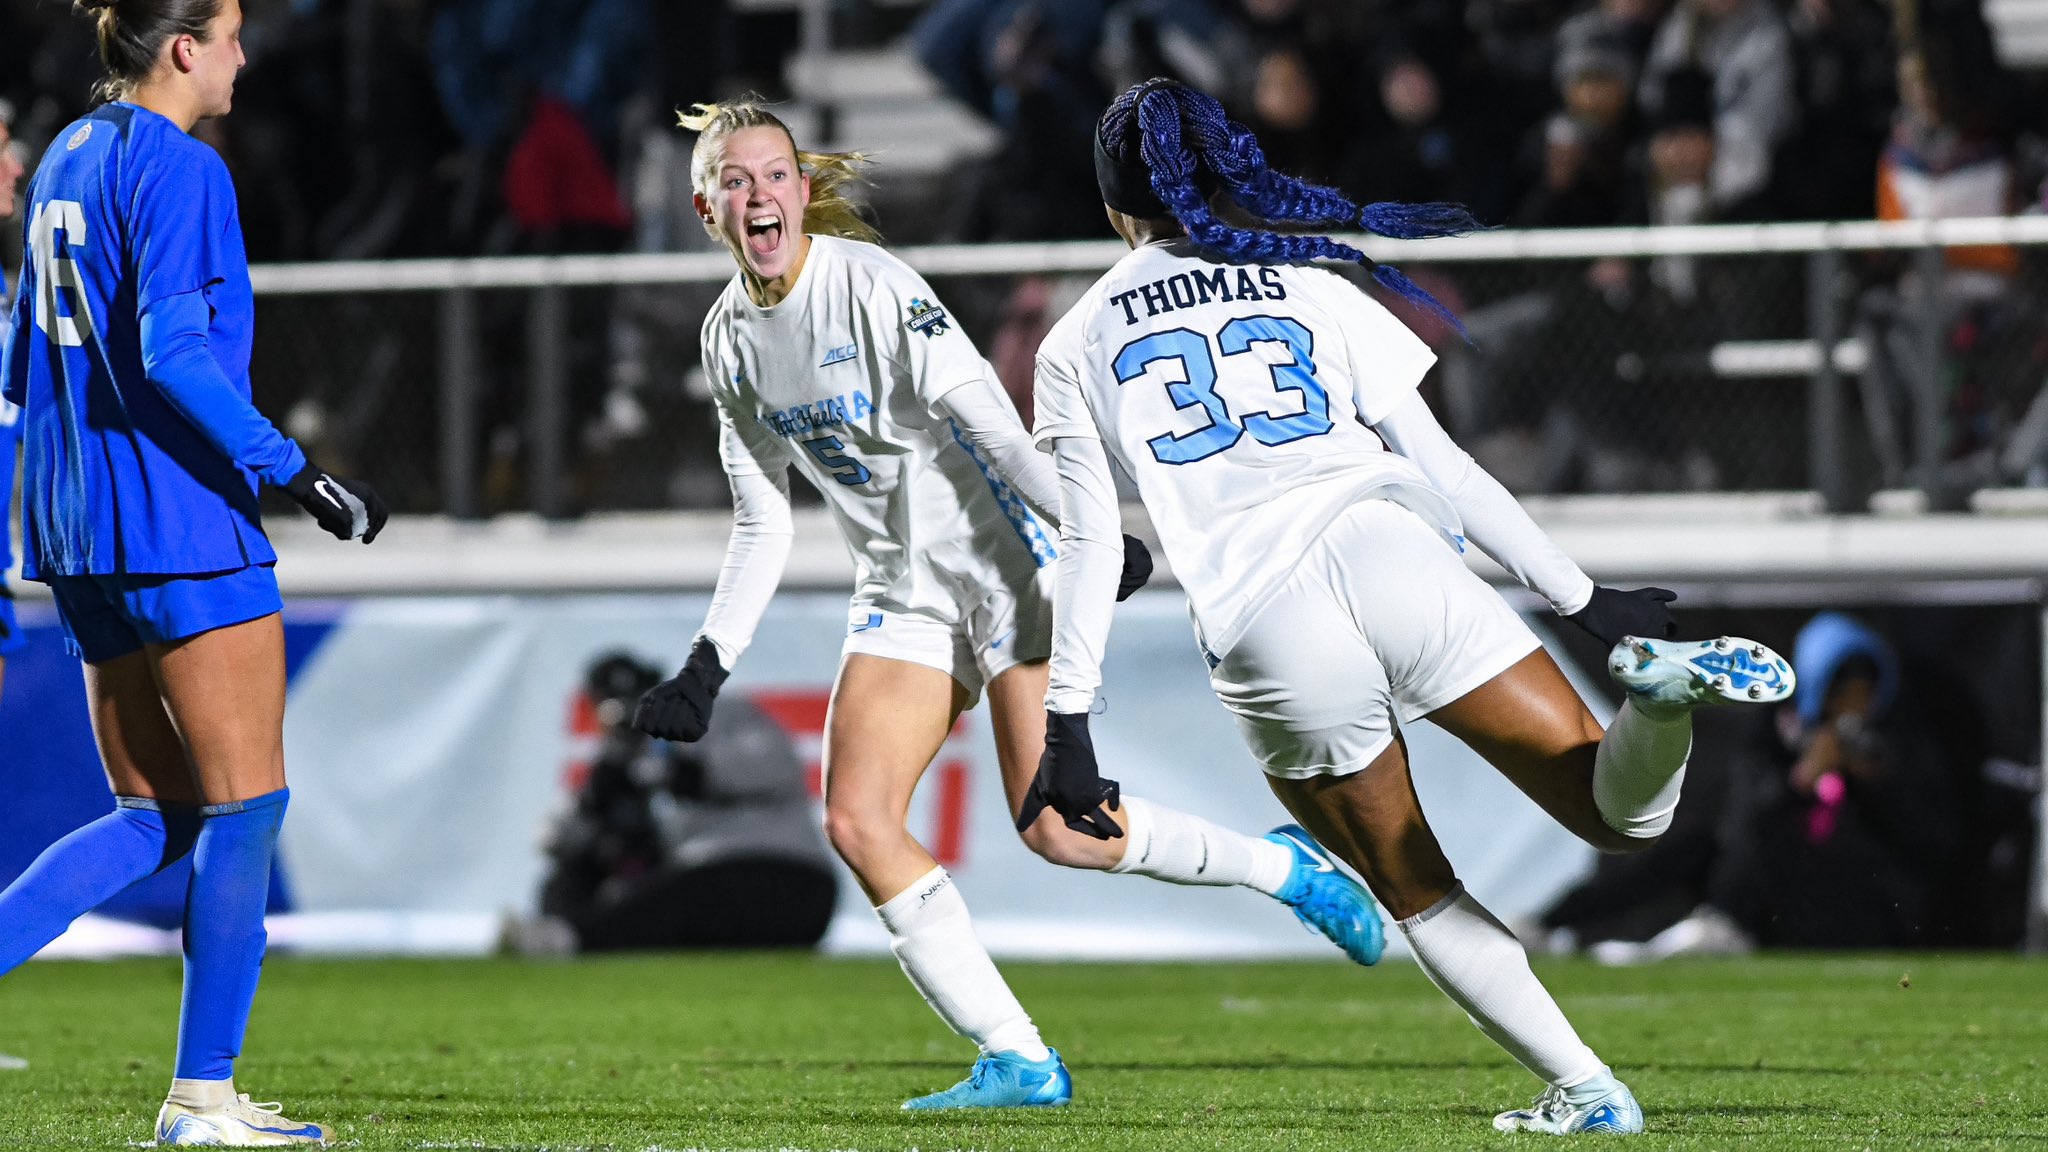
177 359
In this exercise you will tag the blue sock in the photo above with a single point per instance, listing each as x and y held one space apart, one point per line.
135 841
224 935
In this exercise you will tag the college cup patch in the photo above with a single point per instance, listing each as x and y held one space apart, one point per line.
927 317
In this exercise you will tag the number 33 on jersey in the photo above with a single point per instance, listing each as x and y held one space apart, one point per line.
1240 399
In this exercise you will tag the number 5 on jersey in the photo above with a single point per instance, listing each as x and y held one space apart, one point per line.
1198 364
830 452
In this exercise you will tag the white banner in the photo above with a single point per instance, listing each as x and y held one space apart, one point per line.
427 740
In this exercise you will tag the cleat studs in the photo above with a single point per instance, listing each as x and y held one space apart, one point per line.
1720 683
1757 651
1721 644
1756 691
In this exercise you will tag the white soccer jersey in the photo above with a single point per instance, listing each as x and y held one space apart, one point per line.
842 380
1234 394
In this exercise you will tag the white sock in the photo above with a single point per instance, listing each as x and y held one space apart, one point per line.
1477 962
1640 768
1178 848
934 941
202 1095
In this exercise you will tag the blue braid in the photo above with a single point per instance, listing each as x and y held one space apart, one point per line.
1230 152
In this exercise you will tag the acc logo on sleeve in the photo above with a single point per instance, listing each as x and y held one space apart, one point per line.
927 317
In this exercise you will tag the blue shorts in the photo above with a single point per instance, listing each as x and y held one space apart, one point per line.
107 617
11 639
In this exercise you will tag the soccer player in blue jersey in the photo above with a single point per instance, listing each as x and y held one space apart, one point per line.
143 456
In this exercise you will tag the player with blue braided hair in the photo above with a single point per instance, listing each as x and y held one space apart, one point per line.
1189 149
1315 512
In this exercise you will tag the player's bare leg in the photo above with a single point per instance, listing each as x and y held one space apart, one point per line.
1615 790
886 722
1174 846
1372 820
224 693
153 824
1531 725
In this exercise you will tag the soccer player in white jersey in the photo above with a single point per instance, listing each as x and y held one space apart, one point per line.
1314 511
829 355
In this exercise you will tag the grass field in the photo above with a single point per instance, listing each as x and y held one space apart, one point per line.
772 1052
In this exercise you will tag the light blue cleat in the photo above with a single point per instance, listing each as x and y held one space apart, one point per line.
1696 673
1616 1113
1004 1080
1327 900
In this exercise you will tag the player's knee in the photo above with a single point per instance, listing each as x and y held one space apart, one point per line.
857 835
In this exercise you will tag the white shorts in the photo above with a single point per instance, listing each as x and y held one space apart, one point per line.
1008 628
1380 625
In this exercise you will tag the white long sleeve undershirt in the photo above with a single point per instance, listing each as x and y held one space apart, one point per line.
762 531
984 415
1090 565
763 528
1494 520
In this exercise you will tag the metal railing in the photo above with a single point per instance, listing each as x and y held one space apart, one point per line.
498 320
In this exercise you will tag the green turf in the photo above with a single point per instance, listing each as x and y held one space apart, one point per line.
778 1052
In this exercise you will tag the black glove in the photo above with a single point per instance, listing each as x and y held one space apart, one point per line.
679 708
1070 783
348 509
1613 613
1137 567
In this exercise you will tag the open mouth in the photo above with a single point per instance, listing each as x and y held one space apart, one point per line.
764 234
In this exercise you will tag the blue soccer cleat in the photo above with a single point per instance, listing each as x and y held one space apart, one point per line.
1616 1113
1004 1080
1328 901
240 1123
1697 673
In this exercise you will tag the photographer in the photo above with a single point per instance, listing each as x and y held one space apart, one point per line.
706 845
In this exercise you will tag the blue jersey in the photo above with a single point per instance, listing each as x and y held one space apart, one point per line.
130 359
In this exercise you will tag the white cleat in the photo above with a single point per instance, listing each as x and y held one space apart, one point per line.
1616 1113
1697 673
11 1063
242 1123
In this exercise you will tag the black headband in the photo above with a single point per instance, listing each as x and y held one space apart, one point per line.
1126 184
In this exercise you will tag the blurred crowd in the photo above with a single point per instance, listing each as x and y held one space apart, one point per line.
375 128
394 128
1535 113
406 127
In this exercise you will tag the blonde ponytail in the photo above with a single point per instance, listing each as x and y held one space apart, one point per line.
831 212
